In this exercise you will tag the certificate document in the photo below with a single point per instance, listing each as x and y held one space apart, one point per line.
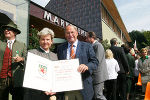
56 76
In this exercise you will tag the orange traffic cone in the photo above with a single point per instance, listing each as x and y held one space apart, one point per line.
147 92
139 83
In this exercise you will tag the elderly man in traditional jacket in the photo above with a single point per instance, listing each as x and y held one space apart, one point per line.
12 55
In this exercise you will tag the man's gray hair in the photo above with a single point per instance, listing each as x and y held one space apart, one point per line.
72 26
46 31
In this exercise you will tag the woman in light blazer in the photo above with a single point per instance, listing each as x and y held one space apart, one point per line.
144 68
46 36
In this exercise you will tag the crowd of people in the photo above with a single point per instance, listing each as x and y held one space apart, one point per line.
114 71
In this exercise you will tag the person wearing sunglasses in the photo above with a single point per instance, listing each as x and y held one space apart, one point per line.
12 55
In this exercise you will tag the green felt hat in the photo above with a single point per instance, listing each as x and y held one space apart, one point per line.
12 26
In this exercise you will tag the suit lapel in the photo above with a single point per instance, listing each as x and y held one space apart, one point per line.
2 51
64 51
40 50
15 48
2 47
78 49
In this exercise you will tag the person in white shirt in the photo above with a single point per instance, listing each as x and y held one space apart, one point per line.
113 68
136 71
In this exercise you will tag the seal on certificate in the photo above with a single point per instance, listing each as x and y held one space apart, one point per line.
42 70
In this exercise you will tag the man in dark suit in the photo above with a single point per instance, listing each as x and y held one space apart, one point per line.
87 60
12 55
119 55
100 74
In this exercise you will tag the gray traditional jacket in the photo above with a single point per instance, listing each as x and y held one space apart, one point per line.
144 69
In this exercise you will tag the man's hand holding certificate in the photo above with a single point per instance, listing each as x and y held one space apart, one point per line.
43 74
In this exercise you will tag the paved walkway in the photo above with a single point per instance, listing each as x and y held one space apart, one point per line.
138 95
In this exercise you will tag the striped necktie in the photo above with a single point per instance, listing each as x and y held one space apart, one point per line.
72 52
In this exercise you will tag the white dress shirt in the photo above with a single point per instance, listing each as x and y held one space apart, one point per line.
10 43
69 48
113 68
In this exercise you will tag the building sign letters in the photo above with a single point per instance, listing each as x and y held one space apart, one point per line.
60 22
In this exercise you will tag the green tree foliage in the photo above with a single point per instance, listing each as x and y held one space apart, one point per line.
147 36
33 38
105 44
140 39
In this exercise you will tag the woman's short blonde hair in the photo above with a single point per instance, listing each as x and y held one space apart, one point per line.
143 49
46 31
108 54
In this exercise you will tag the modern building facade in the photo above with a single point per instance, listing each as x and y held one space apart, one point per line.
100 16
83 13
112 24
41 17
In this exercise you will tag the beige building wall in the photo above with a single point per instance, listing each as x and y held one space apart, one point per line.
9 8
108 33
23 21
20 11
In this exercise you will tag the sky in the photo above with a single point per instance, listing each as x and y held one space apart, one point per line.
41 2
134 13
